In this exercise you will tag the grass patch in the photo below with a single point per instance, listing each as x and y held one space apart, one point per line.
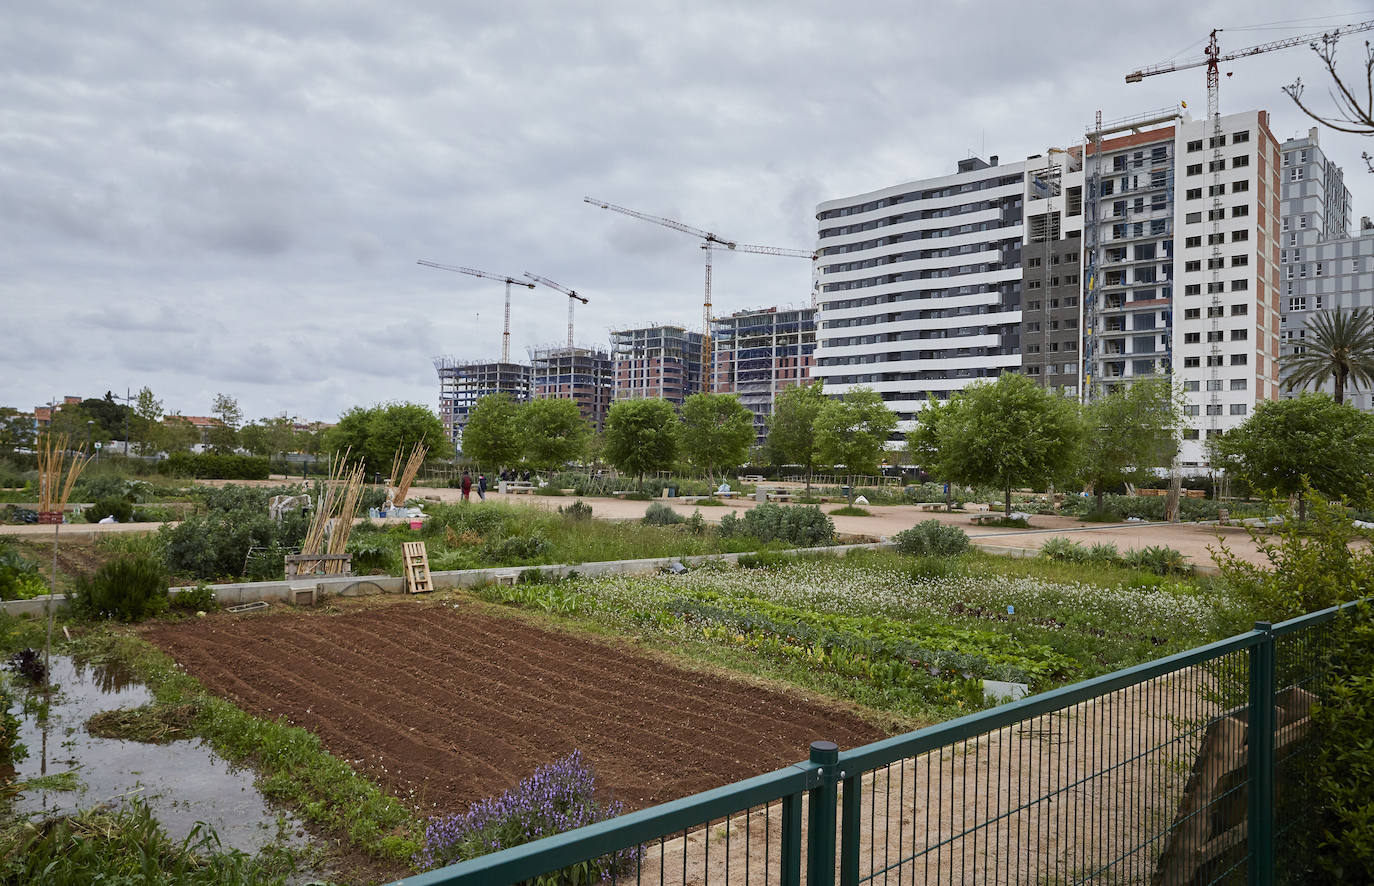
709 503
851 511
293 766
59 781
152 724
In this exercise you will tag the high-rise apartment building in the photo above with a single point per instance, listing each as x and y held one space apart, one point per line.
1325 265
463 383
583 375
1052 267
920 285
756 354
657 361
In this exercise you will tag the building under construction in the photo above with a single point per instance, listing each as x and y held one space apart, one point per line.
757 353
462 384
585 376
657 361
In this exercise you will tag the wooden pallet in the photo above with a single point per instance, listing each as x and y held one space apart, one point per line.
418 580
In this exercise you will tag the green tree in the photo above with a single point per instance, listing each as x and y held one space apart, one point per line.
1129 431
1007 433
1312 436
224 436
641 436
253 437
792 428
716 432
145 424
16 430
110 417
350 434
491 436
178 434
77 423
399 426
853 431
553 432
1339 345
281 434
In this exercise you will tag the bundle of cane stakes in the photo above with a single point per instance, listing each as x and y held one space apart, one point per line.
54 490
333 519
403 475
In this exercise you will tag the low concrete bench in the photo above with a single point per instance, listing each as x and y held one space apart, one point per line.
779 496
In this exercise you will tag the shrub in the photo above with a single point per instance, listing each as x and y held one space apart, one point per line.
850 511
514 548
801 525
932 538
1104 552
696 524
1102 516
197 599
372 552
119 508
556 798
578 510
1158 559
1064 550
214 466
659 514
548 490
19 579
129 588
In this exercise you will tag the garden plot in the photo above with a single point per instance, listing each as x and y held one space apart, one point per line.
443 705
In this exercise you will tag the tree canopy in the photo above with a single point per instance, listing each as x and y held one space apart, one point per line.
853 431
553 431
792 428
1129 431
374 434
1007 433
717 431
1311 436
641 436
491 436
1339 346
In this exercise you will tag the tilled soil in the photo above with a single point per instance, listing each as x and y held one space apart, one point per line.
443 704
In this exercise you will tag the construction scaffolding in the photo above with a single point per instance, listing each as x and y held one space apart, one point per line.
657 361
462 383
757 353
583 375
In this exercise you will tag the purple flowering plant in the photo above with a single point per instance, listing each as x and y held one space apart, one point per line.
558 797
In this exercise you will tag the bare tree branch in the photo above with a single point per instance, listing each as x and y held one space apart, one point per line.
1351 115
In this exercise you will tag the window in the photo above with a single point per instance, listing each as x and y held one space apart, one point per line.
1214 384
1302 221
1192 218
1216 190
1216 311
1295 174
1195 169
1239 310
1192 313
1318 269
1191 362
1216 239
1195 146
1033 262
1190 242
1240 335
1192 338
1190 433
1237 408
1239 384
1240 187
1242 160
1214 409
1216 165
1193 194
1190 409
1240 261
1297 303
1195 265
1239 211
1215 263
1237 360
1214 360
1193 289
1240 137
1190 385
1215 335
1033 284
1238 236
1218 286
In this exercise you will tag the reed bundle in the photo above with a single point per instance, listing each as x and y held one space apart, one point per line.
333 519
55 489
403 475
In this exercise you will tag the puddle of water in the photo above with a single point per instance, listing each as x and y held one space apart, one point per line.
183 782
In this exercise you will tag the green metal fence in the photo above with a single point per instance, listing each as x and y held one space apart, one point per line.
1139 776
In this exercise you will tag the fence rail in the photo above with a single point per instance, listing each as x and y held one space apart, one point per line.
1183 770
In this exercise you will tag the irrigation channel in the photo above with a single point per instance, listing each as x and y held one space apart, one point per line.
183 782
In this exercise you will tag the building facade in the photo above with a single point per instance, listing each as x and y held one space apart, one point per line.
1052 260
756 354
657 361
1326 266
583 375
920 285
463 383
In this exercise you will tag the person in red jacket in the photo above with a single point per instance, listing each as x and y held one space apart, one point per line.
467 485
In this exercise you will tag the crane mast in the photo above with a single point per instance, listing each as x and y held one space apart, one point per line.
473 272
572 295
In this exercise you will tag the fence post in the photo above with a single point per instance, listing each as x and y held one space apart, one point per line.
851 825
1260 760
820 820
791 840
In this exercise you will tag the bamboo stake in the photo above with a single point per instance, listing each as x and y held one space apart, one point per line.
404 476
53 494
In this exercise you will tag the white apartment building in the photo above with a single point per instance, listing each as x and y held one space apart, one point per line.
1227 272
920 285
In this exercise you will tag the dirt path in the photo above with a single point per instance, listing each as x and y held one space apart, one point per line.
444 705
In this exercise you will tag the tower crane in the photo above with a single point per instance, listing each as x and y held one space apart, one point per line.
1212 57
572 295
709 243
505 334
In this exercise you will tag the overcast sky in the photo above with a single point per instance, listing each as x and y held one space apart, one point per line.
231 196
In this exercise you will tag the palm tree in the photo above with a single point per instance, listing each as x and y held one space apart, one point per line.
1339 344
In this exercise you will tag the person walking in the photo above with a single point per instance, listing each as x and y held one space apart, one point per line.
467 485
482 486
